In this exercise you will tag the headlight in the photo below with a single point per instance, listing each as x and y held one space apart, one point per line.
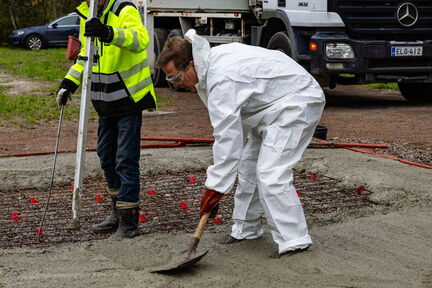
339 51
17 33
20 33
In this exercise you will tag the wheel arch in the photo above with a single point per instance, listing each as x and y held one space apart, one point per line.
278 22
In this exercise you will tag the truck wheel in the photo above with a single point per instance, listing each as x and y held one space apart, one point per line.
34 42
175 33
280 41
160 36
416 92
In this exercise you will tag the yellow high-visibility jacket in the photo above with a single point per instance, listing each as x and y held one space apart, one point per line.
121 80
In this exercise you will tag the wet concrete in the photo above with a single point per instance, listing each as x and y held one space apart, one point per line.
384 246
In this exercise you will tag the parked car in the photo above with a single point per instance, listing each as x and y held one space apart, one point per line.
52 34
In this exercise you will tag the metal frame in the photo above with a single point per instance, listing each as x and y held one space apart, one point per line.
197 15
199 5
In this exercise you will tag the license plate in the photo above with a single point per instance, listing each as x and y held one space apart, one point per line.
407 51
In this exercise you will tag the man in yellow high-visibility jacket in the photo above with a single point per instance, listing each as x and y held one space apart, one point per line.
121 88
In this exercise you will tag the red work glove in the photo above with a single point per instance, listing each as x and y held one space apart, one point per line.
210 202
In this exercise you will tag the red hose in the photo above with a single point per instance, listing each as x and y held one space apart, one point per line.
182 142
390 157
189 140
347 145
380 155
179 142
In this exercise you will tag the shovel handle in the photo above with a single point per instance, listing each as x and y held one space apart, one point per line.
200 229
191 251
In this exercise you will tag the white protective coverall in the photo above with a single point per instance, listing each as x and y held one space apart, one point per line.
264 108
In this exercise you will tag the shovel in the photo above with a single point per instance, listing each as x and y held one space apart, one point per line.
190 257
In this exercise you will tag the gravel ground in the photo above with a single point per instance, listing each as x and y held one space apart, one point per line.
406 151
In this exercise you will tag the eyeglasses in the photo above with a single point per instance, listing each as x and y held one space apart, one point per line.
179 76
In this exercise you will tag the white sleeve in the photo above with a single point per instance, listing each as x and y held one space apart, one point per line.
227 148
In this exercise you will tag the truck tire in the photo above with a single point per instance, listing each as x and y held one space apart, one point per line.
160 36
280 41
416 92
175 33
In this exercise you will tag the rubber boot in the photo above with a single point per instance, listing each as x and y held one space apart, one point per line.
128 223
111 223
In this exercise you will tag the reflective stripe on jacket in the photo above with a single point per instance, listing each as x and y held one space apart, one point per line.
121 80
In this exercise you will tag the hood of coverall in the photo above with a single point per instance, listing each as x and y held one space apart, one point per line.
200 52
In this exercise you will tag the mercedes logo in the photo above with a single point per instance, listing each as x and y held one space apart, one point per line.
407 14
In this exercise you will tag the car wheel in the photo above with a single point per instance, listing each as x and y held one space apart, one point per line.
416 92
34 42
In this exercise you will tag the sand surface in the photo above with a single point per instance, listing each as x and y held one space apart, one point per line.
387 246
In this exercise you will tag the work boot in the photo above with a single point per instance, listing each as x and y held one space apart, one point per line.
111 223
232 240
128 223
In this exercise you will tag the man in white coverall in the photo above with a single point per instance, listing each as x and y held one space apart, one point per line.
264 108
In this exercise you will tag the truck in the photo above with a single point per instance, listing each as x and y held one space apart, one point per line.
340 42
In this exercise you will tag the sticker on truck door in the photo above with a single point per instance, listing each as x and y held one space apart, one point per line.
407 51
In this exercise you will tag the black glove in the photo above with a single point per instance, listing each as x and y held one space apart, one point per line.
67 87
95 28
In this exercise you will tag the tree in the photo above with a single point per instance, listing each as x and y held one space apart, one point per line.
15 14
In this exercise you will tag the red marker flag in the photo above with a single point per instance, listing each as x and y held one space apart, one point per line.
217 220
39 232
142 217
312 176
99 198
33 200
192 179
183 205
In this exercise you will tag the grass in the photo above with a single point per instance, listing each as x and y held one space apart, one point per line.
38 106
48 64
26 111
392 86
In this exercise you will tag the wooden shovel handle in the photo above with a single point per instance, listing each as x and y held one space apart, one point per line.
200 229
193 243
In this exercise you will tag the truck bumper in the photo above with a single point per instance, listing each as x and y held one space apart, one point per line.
373 60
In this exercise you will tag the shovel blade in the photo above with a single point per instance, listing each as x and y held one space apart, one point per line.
179 264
